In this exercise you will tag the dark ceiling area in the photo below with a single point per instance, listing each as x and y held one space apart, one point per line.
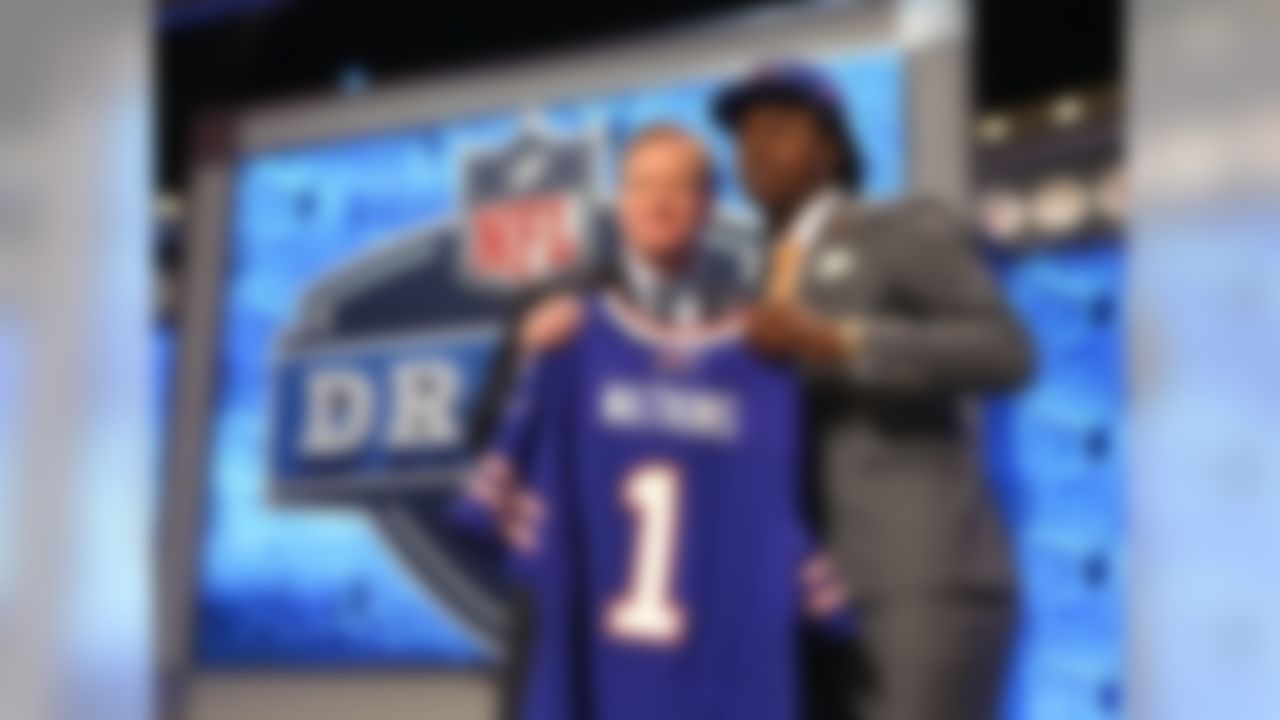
217 54
1027 49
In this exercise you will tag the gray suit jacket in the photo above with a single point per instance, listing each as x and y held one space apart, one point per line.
902 499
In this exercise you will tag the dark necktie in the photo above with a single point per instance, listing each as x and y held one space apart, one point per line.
666 298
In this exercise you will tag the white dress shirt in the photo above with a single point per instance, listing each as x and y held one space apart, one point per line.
807 224
672 298
787 256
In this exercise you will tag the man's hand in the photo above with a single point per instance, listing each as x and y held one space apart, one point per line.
550 323
789 332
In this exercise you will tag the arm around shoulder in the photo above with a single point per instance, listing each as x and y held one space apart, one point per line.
950 329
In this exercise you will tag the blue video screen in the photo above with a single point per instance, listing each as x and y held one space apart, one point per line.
1057 457
357 323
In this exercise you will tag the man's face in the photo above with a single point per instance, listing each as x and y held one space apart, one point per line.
664 198
783 154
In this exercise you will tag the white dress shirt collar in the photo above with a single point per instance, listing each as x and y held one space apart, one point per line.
672 298
807 225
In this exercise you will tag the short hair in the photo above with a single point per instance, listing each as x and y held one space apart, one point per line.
663 131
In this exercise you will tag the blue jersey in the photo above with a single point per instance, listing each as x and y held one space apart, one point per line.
659 515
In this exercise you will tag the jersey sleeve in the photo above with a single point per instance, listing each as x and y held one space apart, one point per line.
541 442
523 494
500 500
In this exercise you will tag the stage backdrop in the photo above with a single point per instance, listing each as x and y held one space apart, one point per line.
364 281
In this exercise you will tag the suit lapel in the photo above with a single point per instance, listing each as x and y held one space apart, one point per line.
840 225
831 259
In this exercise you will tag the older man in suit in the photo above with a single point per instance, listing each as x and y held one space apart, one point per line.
895 325
659 263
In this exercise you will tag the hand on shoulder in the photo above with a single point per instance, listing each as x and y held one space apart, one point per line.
552 322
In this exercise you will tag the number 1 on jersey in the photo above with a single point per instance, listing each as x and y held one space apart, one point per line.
647 612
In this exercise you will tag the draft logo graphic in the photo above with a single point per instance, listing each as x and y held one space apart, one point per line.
376 382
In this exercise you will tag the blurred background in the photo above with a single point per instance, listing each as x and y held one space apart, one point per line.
301 190
317 170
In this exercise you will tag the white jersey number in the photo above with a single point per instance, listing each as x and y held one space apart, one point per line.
647 612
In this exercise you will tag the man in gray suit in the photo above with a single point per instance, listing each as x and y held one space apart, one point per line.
895 325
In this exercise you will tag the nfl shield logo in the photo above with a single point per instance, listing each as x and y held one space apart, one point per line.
528 208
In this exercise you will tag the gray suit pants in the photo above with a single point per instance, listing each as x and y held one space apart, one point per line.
925 657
